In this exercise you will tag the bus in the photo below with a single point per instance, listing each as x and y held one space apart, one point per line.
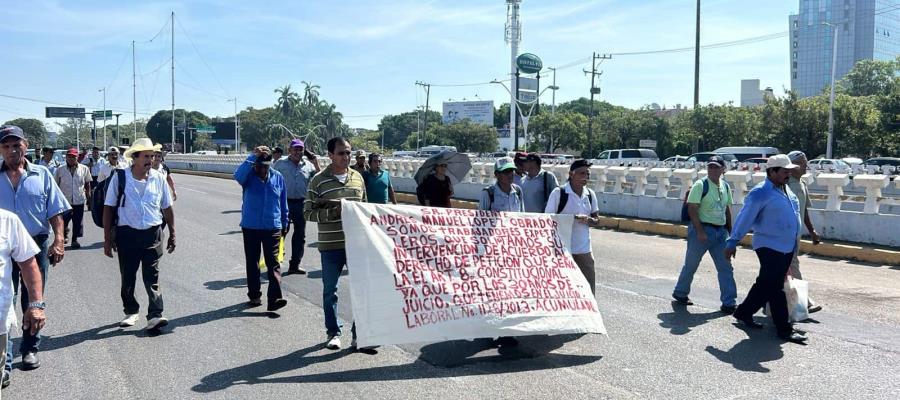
429 151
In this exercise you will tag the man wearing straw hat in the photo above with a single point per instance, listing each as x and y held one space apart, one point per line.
132 227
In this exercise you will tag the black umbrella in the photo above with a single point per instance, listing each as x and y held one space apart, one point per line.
458 165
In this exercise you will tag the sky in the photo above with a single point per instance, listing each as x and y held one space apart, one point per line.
367 55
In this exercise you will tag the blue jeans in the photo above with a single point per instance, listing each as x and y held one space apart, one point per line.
333 263
30 343
715 245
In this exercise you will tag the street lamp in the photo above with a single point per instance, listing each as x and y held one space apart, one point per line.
237 135
519 104
828 148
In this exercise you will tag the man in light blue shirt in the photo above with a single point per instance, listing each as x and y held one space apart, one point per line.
537 184
297 172
772 211
29 191
503 195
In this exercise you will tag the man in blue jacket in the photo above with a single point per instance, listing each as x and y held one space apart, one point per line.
772 212
264 220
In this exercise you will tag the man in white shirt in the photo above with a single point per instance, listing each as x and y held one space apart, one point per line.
113 161
94 162
74 180
132 227
576 198
17 246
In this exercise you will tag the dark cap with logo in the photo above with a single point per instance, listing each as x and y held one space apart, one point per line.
578 164
11 131
716 160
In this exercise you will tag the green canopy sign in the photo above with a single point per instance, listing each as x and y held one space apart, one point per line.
529 63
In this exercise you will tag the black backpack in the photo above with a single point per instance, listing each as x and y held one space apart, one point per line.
685 217
490 191
564 198
98 197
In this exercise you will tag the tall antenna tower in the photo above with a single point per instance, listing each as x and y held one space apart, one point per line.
513 37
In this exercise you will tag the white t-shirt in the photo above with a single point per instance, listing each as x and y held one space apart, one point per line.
144 200
15 245
107 168
577 205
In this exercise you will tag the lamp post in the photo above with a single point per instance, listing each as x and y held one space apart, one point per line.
828 148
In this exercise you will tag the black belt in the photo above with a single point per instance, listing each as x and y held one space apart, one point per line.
712 225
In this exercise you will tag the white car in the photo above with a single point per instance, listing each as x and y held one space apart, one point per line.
826 164
623 156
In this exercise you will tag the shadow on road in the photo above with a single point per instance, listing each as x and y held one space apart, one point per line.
95 246
229 233
256 373
680 320
221 285
317 274
231 212
750 353
112 330
457 353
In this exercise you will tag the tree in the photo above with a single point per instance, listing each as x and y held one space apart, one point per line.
871 77
310 93
202 141
399 128
562 130
465 135
501 116
69 135
257 127
159 128
287 101
35 131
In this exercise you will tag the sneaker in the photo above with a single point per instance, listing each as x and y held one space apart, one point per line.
255 302
156 323
684 300
276 304
334 342
370 350
30 361
814 308
129 320
75 244
728 310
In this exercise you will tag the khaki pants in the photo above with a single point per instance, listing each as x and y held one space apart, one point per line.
585 263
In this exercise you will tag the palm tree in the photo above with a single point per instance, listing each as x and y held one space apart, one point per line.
287 101
310 93
331 118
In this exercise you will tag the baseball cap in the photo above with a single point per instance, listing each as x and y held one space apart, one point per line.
716 160
503 164
278 150
360 153
72 152
780 161
578 164
113 149
533 157
297 143
8 131
520 156
796 155
46 149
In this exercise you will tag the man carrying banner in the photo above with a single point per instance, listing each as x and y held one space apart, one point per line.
576 198
503 195
323 205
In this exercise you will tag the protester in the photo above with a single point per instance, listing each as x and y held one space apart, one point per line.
47 159
297 172
74 180
537 184
323 205
519 161
436 189
772 212
21 249
709 207
94 162
576 198
800 189
378 182
132 227
160 166
504 195
277 153
113 162
30 192
264 220
360 165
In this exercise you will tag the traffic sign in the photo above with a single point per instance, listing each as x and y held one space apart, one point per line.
529 63
64 112
98 115
647 143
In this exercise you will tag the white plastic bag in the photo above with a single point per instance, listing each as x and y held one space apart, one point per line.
796 291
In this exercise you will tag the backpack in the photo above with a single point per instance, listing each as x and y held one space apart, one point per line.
685 217
564 198
98 197
490 191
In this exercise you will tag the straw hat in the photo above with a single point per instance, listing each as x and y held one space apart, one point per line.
142 144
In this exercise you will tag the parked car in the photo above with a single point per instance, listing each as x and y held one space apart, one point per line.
552 157
853 161
744 152
623 156
881 161
404 154
206 152
703 157
756 163
838 166
676 159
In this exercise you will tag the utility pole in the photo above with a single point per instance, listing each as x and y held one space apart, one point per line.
696 146
118 141
513 37
104 116
133 94
237 135
173 81
828 149
594 90
427 87
554 88
184 132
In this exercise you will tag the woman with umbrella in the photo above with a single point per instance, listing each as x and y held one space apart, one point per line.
438 174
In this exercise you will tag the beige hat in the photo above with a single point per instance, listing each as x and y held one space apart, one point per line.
780 161
142 144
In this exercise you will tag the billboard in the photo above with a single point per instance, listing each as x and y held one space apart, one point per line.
479 112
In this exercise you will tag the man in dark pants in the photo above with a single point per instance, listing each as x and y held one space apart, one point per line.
74 180
132 227
772 211
264 220
28 190
297 172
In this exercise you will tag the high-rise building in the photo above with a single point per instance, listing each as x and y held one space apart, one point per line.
867 30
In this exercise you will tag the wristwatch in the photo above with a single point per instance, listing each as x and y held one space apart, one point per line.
37 304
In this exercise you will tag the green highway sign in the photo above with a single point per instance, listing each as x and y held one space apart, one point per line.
529 63
206 129
98 115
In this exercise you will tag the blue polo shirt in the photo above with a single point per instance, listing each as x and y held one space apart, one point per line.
773 215
265 203
35 201
377 186
296 176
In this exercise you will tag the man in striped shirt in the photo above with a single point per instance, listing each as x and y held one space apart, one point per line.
323 205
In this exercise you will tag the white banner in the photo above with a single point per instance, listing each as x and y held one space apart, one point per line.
421 274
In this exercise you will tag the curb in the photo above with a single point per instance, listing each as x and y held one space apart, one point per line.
841 251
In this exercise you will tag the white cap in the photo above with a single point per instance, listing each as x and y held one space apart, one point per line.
780 161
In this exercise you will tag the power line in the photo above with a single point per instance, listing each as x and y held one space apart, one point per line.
55 103
191 41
